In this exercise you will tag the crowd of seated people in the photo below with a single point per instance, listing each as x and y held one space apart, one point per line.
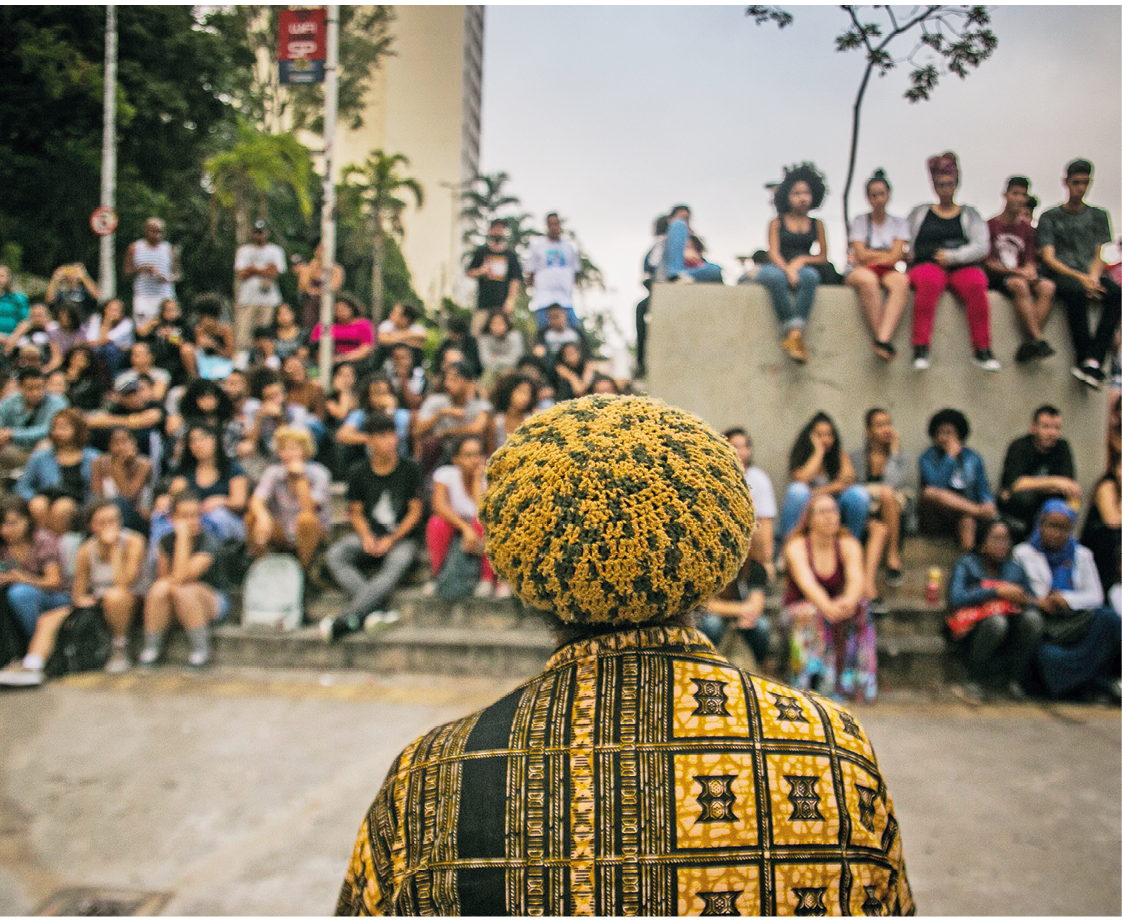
141 459
940 245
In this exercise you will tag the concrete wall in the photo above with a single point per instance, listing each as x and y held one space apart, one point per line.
714 350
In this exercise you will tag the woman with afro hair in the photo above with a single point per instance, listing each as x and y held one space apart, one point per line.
792 234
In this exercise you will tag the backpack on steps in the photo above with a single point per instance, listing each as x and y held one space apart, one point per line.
274 593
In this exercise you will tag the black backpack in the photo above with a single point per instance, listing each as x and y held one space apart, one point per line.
84 643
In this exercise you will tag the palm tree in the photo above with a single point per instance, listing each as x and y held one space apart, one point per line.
483 198
241 177
373 188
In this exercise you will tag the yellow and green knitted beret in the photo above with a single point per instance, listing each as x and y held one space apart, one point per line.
616 509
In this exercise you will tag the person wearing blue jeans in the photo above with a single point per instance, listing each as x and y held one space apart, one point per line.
742 600
791 315
672 266
817 462
29 602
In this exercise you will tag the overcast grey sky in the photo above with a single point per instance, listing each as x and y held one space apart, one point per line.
610 115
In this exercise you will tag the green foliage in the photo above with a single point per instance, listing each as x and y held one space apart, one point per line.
485 199
364 39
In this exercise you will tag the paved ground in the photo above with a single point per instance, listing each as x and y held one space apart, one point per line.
239 792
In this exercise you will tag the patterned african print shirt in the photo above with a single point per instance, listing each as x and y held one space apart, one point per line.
640 774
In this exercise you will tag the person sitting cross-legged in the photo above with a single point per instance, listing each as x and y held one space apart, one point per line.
384 500
955 492
291 507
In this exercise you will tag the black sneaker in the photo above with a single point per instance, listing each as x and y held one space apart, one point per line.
1044 349
921 358
985 360
1026 352
331 629
1089 373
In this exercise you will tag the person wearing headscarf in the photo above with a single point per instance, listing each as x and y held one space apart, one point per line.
949 244
640 773
1082 648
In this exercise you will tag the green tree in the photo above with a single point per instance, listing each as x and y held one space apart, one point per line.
242 176
373 190
951 39
485 199
364 40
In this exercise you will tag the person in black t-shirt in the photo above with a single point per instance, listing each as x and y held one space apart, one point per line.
1038 466
498 271
384 500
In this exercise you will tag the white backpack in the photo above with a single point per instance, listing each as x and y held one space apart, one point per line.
274 593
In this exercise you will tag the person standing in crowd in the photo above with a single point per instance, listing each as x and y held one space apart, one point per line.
1011 269
1037 466
833 640
153 266
1082 647
763 499
882 469
876 244
1071 238
992 619
257 266
71 284
955 491
498 271
13 305
309 283
949 244
384 505
677 774
673 264
25 418
792 235
186 585
106 573
818 465
551 270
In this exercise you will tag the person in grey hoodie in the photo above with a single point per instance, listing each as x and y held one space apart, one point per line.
949 244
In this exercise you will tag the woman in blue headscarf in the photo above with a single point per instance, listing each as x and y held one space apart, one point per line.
1082 648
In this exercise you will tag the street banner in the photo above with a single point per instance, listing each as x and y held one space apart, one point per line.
302 45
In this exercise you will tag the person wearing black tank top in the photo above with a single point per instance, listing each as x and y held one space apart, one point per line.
791 237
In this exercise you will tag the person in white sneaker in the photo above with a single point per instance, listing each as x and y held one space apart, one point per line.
106 573
184 585
32 577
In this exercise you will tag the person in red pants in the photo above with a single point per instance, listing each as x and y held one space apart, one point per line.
949 244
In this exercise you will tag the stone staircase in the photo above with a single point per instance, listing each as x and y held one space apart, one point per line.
502 638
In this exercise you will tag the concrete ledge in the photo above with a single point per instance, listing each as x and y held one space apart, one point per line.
714 350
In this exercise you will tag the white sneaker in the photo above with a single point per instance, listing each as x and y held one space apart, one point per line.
503 591
393 616
984 359
119 662
325 626
428 590
148 656
198 658
373 621
19 675
484 590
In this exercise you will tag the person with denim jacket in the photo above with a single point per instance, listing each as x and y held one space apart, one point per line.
955 491
58 480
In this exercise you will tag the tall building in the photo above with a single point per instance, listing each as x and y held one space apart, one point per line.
425 103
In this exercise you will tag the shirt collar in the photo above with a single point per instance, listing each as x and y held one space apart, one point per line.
630 640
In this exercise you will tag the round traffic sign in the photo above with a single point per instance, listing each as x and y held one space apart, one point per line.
103 221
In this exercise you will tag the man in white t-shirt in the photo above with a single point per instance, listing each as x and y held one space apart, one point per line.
551 270
763 500
257 265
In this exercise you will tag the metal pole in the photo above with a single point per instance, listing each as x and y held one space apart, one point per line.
107 277
331 99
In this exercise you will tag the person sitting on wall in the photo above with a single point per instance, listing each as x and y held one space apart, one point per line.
955 491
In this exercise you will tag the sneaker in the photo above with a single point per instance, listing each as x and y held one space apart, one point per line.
17 675
1089 373
149 654
793 345
1044 349
921 358
893 577
484 590
503 591
877 607
392 616
428 590
196 659
373 621
1026 352
119 662
327 628
985 360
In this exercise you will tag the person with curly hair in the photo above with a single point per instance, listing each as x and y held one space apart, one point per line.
876 244
955 491
792 235
949 244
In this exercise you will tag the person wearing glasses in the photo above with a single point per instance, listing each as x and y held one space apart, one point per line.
497 269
